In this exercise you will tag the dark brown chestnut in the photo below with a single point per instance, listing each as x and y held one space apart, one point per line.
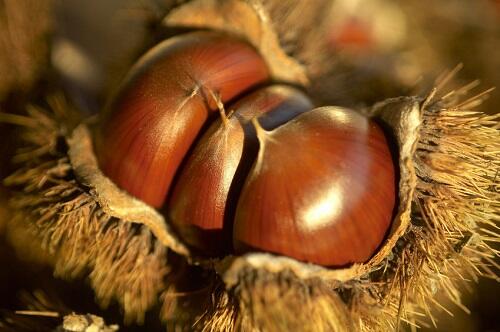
322 189
199 205
164 101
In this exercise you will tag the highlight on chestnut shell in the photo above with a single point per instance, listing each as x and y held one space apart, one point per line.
322 190
200 206
163 103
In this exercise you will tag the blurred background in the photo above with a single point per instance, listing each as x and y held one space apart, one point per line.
371 50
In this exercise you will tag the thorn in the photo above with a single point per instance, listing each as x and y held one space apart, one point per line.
443 81
429 98
37 313
18 120
476 97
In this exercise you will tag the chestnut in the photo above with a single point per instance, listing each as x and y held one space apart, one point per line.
322 189
163 103
200 207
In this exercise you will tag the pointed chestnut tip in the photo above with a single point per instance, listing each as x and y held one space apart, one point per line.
263 136
261 133
220 107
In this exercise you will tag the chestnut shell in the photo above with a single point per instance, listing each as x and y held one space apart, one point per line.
322 190
164 102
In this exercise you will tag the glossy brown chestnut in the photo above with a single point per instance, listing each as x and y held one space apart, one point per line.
163 103
322 190
199 206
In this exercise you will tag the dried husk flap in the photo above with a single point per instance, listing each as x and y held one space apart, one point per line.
248 19
114 201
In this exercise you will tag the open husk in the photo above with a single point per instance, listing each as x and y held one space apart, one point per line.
72 217
448 206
